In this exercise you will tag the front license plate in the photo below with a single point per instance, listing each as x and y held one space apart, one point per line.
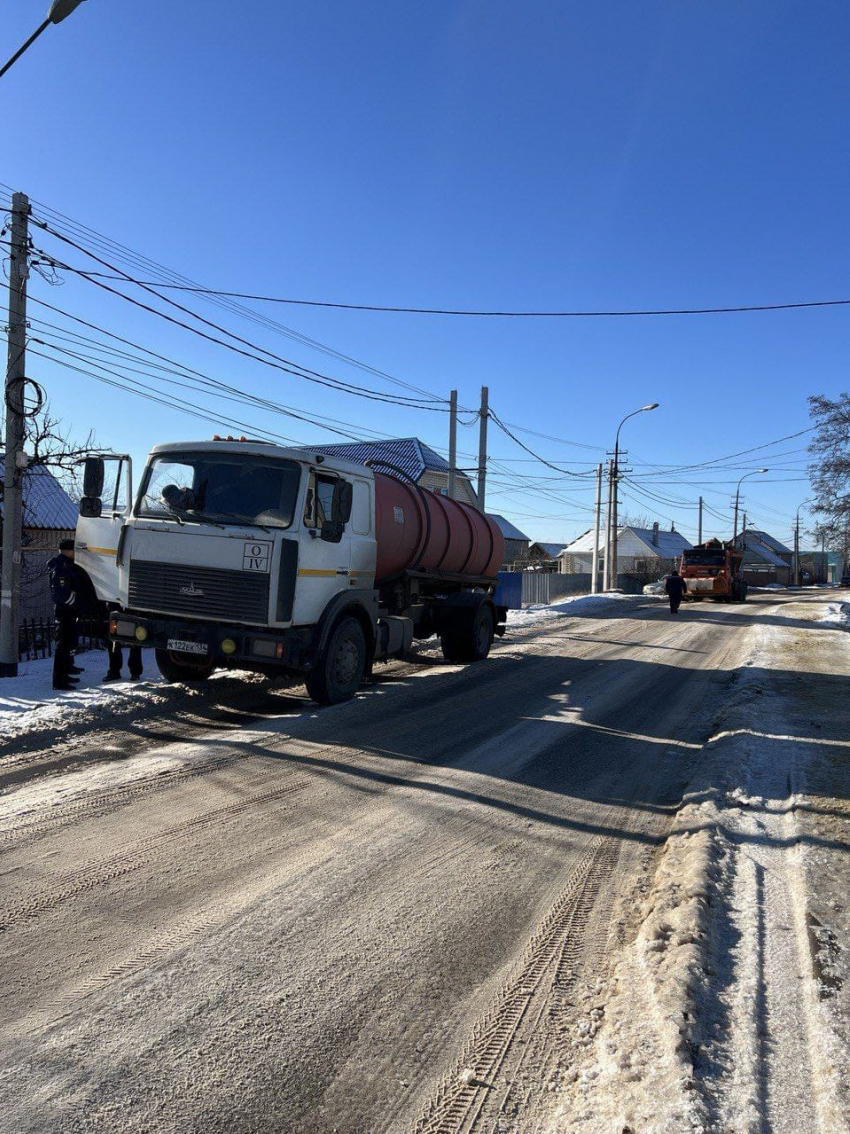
188 647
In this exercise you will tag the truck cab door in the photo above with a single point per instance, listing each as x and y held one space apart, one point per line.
106 503
324 567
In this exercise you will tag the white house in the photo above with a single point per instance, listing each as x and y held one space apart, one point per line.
639 551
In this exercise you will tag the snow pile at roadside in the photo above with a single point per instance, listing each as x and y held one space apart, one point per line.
838 613
30 705
640 1075
580 605
29 700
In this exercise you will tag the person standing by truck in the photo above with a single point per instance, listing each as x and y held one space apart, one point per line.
64 578
675 587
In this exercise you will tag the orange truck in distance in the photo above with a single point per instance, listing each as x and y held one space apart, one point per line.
713 570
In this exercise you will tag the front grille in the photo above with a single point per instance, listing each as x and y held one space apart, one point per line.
232 596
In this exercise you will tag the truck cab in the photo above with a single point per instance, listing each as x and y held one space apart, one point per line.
713 570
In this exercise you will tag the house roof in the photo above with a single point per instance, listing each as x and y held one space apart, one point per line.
409 454
768 540
46 503
553 550
755 549
669 546
507 528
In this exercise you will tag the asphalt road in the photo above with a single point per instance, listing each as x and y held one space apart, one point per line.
365 918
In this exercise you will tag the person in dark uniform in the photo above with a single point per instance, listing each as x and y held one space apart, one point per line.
675 588
63 591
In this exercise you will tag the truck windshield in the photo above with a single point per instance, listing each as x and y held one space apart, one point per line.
225 488
704 559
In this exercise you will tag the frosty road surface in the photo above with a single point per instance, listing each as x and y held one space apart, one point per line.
597 883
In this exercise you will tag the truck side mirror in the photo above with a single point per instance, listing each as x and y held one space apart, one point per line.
91 507
93 477
331 531
341 503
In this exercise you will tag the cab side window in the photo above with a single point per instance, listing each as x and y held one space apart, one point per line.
318 506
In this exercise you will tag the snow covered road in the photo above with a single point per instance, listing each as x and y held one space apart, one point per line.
569 888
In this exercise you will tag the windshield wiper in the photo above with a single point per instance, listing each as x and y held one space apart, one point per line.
177 513
245 520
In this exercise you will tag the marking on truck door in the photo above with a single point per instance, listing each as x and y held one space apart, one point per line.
398 514
96 550
256 555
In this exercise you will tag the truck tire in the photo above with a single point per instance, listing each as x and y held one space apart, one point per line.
470 643
175 670
339 671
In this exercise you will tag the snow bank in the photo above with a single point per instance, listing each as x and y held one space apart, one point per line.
572 607
29 705
837 613
640 1076
29 701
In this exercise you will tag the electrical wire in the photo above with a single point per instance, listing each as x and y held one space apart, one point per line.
389 309
274 361
139 261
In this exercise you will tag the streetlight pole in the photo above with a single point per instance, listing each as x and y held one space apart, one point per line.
615 472
59 10
738 499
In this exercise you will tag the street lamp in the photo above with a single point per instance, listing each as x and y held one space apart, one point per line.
59 10
615 476
738 498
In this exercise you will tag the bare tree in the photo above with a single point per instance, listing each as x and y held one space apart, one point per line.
637 520
830 470
50 446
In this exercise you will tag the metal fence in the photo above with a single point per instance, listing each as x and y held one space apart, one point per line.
36 637
543 587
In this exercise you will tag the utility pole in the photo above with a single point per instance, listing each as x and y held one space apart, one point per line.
823 578
594 568
699 527
606 568
615 492
615 476
744 528
14 440
452 442
797 551
484 413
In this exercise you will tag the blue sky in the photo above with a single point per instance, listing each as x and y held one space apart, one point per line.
476 154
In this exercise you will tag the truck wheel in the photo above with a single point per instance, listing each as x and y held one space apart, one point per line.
174 669
339 671
472 643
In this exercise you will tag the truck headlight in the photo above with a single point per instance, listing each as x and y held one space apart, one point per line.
141 634
228 646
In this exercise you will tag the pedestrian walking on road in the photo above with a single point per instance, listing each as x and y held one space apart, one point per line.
675 587
63 591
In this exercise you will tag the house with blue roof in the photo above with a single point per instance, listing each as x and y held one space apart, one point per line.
49 515
409 455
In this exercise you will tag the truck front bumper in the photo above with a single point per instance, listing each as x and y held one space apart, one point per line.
241 646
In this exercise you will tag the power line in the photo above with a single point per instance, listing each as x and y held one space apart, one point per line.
179 369
390 309
138 261
277 362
